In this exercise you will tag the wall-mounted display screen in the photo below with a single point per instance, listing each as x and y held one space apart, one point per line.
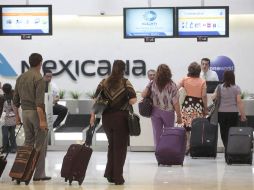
202 21
143 22
26 19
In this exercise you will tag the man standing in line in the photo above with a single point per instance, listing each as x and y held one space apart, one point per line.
29 93
206 73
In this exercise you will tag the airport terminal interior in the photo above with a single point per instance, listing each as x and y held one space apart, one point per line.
80 45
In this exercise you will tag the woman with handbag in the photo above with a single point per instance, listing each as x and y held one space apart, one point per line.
230 103
165 97
120 94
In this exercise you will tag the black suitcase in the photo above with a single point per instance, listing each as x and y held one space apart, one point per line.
3 159
76 160
204 137
239 148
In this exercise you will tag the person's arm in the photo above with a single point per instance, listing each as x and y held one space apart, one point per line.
178 112
214 95
241 108
39 100
98 89
180 84
42 118
204 99
146 90
16 102
132 101
131 93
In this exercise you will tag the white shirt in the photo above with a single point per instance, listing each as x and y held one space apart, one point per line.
209 75
53 89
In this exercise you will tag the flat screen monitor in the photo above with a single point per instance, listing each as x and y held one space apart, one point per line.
26 19
157 22
202 21
212 85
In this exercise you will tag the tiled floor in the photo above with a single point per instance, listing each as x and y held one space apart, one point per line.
142 172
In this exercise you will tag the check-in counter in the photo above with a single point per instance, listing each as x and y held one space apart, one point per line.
249 111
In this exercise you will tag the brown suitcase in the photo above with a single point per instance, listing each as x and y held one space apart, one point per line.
24 164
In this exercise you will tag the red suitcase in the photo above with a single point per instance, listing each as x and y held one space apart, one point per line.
76 160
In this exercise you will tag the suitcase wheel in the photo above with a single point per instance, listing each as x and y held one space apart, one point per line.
65 179
80 182
18 182
26 182
70 181
12 179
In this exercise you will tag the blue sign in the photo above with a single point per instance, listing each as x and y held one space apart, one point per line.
5 68
220 64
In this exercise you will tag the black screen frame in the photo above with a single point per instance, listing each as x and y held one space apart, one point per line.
147 8
226 8
19 33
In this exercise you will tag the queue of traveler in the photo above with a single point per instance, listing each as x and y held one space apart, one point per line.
30 90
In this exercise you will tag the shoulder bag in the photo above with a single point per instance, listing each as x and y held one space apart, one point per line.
145 107
100 103
133 123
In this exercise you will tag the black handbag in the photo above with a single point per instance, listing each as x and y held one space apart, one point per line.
100 104
145 107
133 123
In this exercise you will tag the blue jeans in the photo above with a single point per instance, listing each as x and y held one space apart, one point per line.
9 140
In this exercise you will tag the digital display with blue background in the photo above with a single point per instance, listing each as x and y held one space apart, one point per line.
202 22
157 22
25 20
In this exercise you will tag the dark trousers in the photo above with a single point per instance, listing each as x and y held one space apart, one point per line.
116 128
61 112
9 140
227 120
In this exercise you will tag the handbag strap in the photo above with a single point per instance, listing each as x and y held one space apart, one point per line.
130 108
218 96
149 92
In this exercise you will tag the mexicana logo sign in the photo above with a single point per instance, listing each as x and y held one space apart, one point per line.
5 68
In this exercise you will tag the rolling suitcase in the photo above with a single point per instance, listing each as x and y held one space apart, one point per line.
3 159
171 147
24 164
204 137
76 160
240 145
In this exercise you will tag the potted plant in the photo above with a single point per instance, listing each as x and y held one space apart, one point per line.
75 95
61 94
90 94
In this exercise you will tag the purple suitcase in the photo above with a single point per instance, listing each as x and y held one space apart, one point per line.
171 147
